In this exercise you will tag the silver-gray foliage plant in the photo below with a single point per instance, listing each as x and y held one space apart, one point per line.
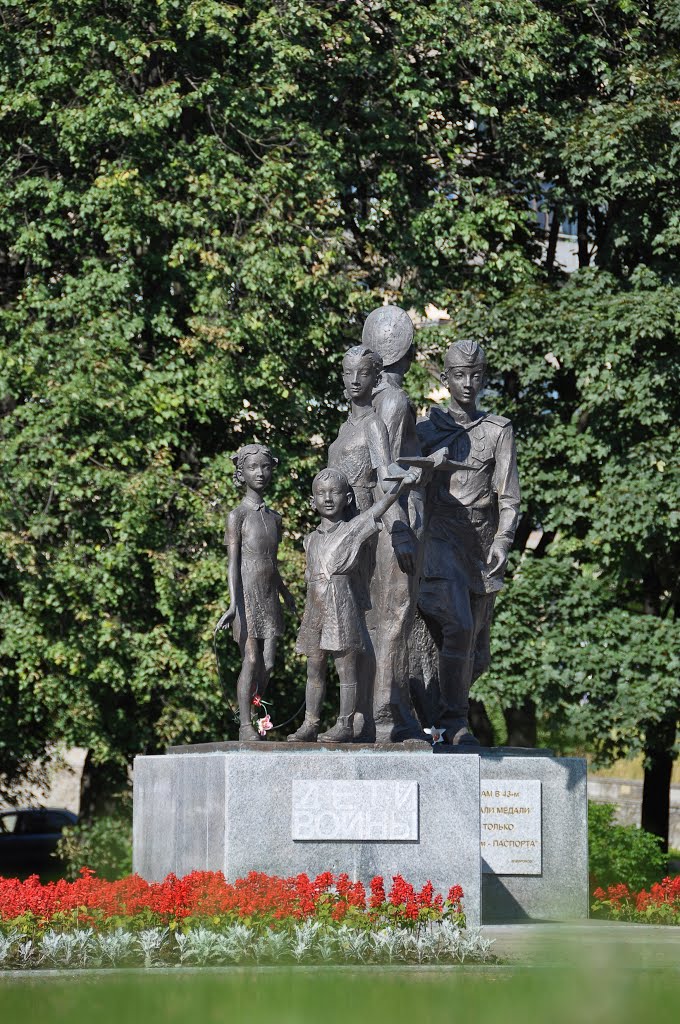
308 941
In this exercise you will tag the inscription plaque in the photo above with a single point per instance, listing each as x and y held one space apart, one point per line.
355 810
511 826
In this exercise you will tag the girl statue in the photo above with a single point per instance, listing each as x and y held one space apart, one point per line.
253 534
335 609
362 448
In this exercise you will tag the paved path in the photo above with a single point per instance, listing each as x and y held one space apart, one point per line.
595 943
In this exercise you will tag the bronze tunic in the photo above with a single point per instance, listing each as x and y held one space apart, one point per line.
361 447
469 508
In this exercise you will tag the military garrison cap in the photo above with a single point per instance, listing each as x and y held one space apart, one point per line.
464 353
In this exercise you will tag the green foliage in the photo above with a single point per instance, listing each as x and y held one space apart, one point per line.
104 845
621 853
587 626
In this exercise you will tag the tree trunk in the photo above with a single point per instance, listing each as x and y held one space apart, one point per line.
600 229
552 241
582 232
657 783
480 723
521 725
101 786
659 739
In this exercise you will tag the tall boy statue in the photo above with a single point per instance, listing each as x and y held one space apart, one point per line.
470 525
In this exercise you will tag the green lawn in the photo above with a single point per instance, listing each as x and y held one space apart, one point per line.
505 995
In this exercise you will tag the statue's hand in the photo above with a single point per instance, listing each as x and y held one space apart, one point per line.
497 560
410 479
405 548
227 618
435 460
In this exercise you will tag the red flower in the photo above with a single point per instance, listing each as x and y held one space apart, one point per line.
377 891
339 911
343 884
356 896
264 898
455 896
426 895
323 882
401 891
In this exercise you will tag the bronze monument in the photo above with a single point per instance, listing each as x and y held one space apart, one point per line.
412 514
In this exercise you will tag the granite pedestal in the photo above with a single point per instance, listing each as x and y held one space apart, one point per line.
362 811
510 826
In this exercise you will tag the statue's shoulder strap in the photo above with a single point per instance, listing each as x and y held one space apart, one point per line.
499 421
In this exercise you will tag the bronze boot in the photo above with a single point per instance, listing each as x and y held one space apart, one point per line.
308 731
454 686
343 730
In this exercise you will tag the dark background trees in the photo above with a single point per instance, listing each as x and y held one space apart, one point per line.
199 202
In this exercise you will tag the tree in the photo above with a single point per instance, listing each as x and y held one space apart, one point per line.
588 371
199 204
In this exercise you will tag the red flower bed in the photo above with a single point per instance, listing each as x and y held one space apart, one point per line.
661 905
258 898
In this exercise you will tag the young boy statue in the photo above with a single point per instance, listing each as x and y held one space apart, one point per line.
334 620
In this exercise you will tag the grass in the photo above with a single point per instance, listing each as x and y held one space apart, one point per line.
502 995
630 768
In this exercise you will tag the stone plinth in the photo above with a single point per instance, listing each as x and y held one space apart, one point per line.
374 810
535 838
361 811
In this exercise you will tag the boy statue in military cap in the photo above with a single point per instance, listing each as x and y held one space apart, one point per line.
471 519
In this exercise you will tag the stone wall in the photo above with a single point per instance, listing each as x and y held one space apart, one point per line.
626 794
59 784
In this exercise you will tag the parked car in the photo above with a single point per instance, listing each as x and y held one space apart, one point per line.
29 836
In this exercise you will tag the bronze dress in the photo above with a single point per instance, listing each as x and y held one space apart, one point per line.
258 607
334 616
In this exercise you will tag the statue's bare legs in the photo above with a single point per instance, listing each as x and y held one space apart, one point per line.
257 663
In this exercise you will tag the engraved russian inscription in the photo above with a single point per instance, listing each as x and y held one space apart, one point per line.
355 810
511 826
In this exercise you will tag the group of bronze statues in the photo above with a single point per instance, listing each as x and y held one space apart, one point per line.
416 519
